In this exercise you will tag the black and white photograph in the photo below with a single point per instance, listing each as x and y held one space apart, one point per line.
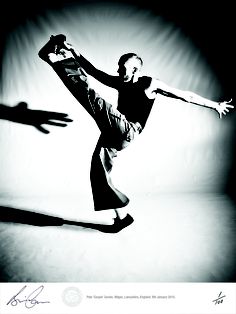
117 141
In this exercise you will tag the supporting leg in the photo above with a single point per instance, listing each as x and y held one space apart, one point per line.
105 195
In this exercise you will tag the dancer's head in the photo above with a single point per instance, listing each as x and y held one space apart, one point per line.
130 65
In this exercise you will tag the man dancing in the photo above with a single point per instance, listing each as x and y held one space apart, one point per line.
119 126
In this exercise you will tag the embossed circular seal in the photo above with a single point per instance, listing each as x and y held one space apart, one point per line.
72 296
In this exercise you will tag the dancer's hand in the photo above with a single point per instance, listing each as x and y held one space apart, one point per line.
223 107
68 46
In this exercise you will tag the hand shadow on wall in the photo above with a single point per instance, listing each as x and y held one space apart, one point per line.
22 114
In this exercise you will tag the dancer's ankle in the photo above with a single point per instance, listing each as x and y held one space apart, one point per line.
121 213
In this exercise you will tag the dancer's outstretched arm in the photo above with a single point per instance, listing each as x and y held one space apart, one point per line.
221 107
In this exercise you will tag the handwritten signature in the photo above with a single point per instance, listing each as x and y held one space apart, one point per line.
29 301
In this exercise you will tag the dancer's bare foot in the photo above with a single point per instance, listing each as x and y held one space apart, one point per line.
118 225
55 49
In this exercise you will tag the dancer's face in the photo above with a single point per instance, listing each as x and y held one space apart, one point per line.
128 69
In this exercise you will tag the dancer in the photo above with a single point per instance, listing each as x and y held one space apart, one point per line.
118 126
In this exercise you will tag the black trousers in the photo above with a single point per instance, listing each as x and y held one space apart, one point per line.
116 134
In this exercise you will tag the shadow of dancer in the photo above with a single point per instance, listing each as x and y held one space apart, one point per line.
22 114
26 217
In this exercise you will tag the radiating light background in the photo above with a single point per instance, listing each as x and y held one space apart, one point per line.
182 150
192 135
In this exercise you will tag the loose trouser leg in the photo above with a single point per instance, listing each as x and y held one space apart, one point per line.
105 195
112 124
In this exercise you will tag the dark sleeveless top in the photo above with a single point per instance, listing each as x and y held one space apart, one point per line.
133 102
